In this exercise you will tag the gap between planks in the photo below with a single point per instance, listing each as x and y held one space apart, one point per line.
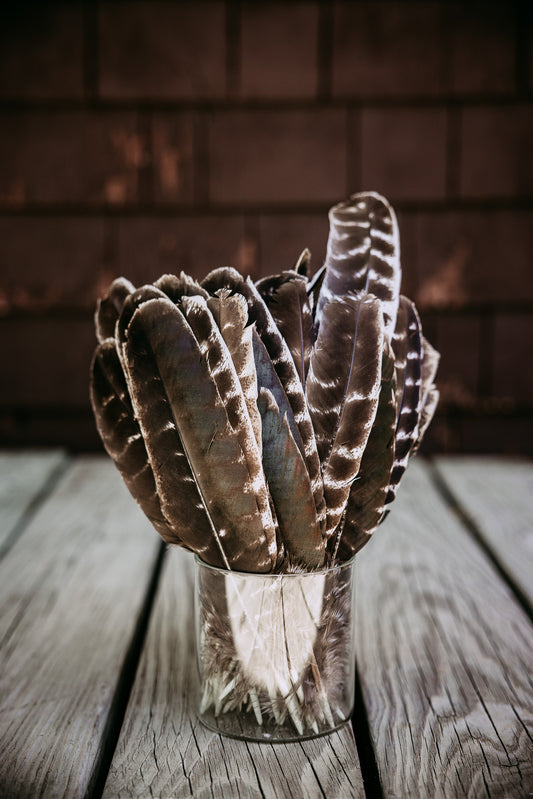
124 686
27 479
453 501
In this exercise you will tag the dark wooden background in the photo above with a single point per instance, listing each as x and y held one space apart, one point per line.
144 137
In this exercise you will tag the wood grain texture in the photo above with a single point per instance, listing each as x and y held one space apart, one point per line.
23 477
497 494
164 751
444 656
71 589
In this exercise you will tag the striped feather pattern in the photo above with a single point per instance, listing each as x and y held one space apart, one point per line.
260 425
363 254
230 312
366 501
343 388
406 346
280 356
122 438
222 371
184 421
286 298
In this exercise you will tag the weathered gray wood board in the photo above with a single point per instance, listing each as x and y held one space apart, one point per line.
497 494
71 590
445 656
164 751
23 475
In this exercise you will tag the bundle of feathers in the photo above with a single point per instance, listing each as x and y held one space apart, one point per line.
266 426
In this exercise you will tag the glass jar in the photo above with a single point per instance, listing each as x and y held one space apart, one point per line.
275 652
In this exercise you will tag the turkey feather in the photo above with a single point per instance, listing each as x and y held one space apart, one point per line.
231 315
343 391
184 423
363 254
289 484
366 501
222 371
122 438
283 364
109 308
175 286
406 345
286 298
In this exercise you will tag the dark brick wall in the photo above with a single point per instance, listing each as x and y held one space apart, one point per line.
141 137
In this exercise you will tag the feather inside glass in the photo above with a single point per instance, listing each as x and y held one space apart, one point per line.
266 427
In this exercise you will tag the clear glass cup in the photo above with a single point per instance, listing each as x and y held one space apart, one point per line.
275 652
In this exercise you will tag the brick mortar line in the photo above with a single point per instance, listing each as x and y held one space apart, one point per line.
162 209
372 102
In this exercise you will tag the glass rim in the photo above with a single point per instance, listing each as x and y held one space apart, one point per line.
337 567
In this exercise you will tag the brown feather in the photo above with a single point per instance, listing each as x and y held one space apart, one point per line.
343 391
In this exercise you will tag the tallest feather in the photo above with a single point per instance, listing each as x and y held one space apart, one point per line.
363 255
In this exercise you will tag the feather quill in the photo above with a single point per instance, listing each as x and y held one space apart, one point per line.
286 298
231 315
122 438
313 290
289 484
343 388
182 417
279 353
363 254
406 345
366 501
109 308
303 263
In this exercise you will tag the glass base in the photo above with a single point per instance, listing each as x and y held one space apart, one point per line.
275 653
270 733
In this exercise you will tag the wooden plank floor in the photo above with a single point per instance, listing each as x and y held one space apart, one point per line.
498 502
97 674
71 591
445 655
25 478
